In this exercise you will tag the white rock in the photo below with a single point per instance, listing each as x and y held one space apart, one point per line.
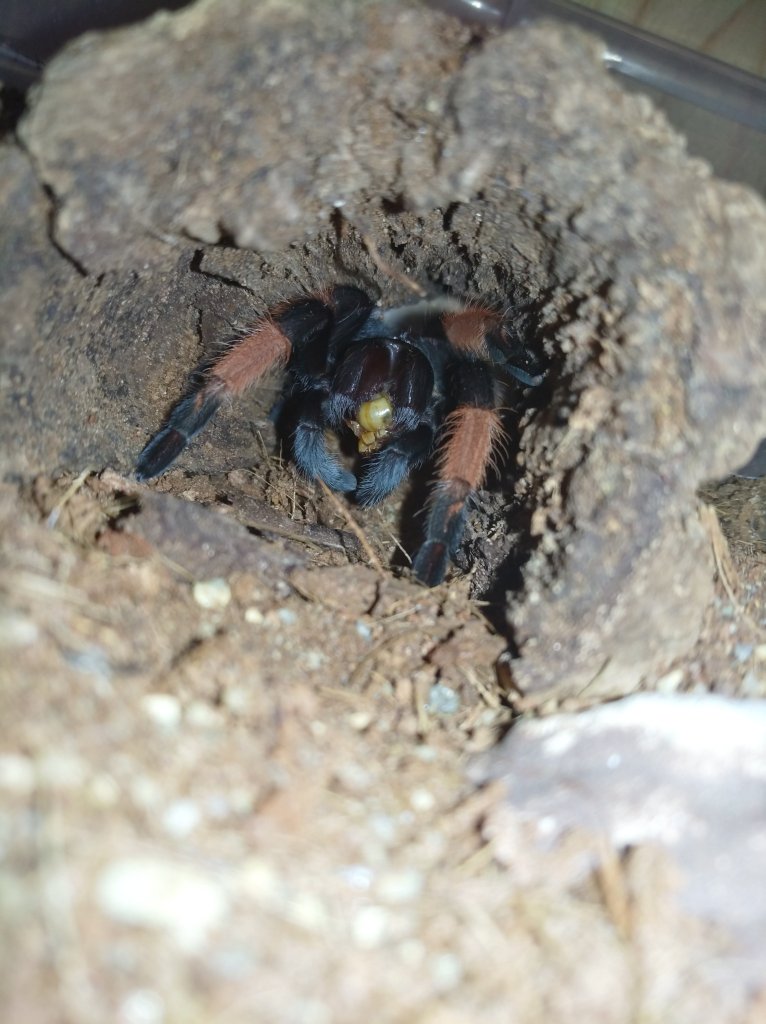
181 818
17 773
17 631
212 594
142 1006
398 887
164 709
370 926
151 892
685 772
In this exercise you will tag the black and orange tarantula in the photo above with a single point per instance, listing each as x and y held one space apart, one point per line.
402 380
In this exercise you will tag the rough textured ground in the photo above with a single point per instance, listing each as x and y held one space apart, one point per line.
234 731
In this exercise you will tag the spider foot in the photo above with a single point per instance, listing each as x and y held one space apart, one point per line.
445 530
315 462
186 420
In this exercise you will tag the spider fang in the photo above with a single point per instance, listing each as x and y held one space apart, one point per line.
373 422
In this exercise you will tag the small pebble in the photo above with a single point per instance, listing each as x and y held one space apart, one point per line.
181 818
446 971
354 776
103 790
61 771
17 631
234 963
307 911
421 799
743 652
412 952
164 709
360 720
213 594
143 1006
144 792
254 616
384 828
671 682
203 716
150 892
237 699
357 876
369 926
258 879
17 773
397 887
287 616
313 659
363 630
443 700
91 661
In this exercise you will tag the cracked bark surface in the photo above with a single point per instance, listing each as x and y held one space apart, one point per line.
511 169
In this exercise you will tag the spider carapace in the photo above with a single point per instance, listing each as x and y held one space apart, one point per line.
404 381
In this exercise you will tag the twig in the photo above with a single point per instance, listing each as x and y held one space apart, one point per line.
360 669
69 493
390 271
354 527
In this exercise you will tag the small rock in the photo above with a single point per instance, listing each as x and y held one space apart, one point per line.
397 887
164 709
313 659
446 971
17 774
203 716
421 799
17 631
258 879
61 771
743 652
103 790
360 720
443 700
143 1006
150 892
357 876
370 926
363 630
181 818
212 594
671 682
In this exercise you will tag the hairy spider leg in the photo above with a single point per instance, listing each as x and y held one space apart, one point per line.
509 354
392 464
472 432
312 371
294 327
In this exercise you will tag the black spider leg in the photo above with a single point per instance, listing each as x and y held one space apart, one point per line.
312 373
472 432
298 325
387 468
513 357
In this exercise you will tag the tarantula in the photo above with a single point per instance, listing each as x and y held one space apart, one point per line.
401 380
